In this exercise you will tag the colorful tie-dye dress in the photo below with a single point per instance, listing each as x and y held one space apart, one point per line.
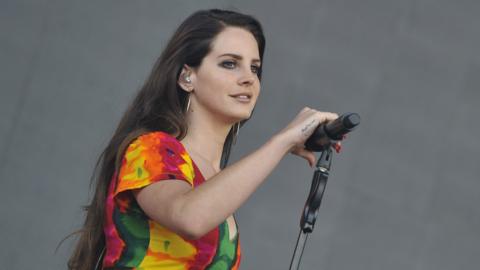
133 240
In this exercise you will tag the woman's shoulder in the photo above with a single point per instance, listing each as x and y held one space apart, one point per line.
157 138
156 154
155 145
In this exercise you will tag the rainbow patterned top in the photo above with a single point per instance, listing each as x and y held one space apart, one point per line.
133 240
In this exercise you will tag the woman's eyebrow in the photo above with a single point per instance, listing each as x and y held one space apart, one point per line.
239 57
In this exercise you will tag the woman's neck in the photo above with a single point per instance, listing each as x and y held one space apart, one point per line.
206 139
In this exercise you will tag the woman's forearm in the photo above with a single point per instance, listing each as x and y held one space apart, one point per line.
210 203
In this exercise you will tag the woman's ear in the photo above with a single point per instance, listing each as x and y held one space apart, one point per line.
185 80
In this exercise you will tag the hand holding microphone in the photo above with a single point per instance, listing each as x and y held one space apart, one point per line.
326 133
313 130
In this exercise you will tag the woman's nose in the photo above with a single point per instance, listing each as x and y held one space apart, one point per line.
247 77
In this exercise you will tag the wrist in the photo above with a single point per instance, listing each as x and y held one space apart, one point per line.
281 142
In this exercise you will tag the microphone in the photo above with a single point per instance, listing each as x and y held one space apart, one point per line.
335 130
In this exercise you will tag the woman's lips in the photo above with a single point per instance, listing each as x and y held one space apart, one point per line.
242 98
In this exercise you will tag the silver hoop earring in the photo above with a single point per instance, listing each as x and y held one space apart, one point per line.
188 104
236 128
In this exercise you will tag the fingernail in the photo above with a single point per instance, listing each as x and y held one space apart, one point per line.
337 147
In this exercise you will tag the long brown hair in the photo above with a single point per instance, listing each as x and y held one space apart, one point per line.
158 106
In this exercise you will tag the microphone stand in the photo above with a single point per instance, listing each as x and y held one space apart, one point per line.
320 141
312 204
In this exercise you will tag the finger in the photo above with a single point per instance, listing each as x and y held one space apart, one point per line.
331 116
326 116
337 146
305 109
308 155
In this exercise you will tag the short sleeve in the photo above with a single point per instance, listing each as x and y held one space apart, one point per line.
153 157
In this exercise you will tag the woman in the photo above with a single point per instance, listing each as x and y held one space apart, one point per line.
164 197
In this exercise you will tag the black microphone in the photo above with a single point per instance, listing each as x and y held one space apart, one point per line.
324 134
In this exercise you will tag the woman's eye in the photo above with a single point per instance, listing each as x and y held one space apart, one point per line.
228 64
232 64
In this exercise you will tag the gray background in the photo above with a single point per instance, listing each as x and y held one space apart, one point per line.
403 194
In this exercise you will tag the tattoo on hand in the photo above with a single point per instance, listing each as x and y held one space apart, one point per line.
304 129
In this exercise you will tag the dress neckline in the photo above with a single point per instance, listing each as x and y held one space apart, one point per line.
193 162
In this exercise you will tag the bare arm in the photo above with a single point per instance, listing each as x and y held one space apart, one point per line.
194 212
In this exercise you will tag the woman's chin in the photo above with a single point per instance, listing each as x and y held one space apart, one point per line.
239 117
245 115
